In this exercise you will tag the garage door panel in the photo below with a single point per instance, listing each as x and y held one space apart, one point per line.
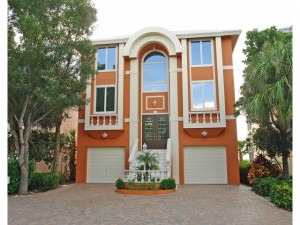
105 165
205 165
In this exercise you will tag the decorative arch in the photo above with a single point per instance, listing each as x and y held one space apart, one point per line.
148 35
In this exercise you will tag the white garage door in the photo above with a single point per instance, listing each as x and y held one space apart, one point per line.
205 165
105 165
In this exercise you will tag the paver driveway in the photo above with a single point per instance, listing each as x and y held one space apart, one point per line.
85 204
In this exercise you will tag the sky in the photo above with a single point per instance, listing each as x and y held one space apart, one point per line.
123 18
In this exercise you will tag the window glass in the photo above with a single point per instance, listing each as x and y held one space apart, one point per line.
110 99
155 72
100 99
206 52
209 95
111 58
203 95
196 57
106 58
105 99
197 96
101 58
201 53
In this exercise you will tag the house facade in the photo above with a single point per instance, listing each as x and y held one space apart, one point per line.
170 91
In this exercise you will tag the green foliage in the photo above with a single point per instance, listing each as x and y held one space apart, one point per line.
282 195
267 90
168 183
131 185
149 159
120 184
244 170
14 174
262 186
152 185
45 181
142 186
50 61
13 171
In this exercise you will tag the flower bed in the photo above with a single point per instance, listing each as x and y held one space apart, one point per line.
146 188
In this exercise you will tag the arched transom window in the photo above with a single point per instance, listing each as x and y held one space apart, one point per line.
155 72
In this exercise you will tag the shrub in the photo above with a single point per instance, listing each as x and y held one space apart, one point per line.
13 171
152 185
262 186
44 181
62 178
281 194
131 184
120 184
142 186
168 183
244 170
262 167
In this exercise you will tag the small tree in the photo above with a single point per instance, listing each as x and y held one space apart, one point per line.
49 62
149 160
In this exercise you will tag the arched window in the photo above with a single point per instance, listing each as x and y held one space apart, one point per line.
155 72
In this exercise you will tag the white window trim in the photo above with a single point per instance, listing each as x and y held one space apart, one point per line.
106 49
192 100
95 100
201 57
167 72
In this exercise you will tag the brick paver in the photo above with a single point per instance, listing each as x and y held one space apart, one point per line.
85 204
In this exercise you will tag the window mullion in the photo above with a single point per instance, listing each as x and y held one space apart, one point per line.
105 96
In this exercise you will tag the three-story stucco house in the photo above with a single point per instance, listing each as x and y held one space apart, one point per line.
174 92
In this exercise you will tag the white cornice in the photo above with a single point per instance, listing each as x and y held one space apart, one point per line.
178 34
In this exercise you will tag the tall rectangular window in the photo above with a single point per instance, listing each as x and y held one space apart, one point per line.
105 99
106 58
201 53
203 95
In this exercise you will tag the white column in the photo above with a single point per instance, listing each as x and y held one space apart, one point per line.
185 86
220 81
174 117
134 101
120 86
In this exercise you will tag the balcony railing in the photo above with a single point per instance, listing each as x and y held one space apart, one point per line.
104 122
205 120
145 175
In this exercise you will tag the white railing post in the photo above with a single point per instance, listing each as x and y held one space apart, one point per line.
132 157
169 157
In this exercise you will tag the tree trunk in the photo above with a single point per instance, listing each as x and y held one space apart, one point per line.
23 159
57 147
285 166
240 156
12 149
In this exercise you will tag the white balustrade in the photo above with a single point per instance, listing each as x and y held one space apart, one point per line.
204 117
140 175
104 120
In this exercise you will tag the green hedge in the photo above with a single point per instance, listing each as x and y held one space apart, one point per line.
169 183
279 190
45 181
282 195
244 170
13 171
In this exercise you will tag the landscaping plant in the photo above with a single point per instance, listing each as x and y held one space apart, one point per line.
262 167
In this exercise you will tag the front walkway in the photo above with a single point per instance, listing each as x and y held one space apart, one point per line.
86 204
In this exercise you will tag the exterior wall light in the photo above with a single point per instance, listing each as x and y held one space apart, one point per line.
144 146
154 103
104 135
204 133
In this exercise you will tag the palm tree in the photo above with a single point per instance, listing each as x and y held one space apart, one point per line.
149 159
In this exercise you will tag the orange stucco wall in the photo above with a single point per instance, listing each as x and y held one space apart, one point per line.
187 137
